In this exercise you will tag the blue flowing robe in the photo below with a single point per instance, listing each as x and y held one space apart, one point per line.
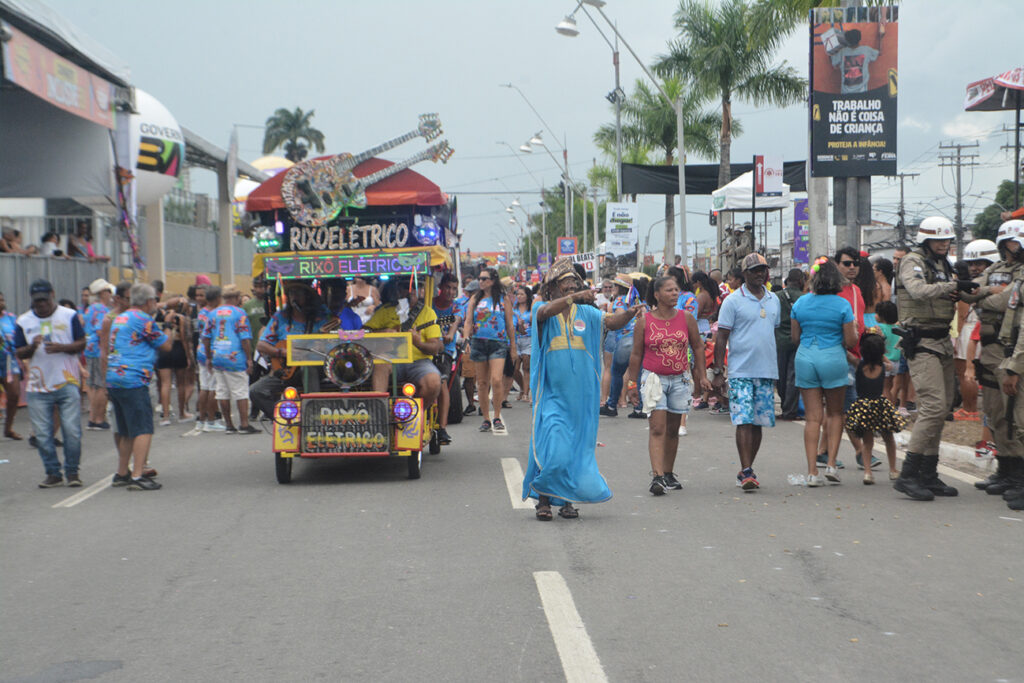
565 382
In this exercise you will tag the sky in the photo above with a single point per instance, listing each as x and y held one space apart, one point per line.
368 69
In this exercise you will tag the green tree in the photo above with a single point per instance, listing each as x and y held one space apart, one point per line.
603 175
986 223
723 53
292 130
650 123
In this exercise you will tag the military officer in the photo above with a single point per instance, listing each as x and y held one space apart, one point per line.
1011 369
926 295
997 284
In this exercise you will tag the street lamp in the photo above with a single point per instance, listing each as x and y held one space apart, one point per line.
565 156
677 105
540 186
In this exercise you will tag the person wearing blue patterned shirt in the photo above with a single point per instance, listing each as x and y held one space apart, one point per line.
101 296
132 347
10 369
227 343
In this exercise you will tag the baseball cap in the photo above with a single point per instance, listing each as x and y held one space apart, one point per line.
100 285
472 286
755 260
40 289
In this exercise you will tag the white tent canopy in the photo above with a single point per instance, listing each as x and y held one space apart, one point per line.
736 196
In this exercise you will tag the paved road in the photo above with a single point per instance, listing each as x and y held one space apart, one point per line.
354 573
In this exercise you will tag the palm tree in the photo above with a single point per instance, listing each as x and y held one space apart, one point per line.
651 124
723 55
603 175
289 128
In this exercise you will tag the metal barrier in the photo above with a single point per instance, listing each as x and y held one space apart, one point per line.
68 277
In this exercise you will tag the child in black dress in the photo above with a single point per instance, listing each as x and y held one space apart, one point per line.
872 412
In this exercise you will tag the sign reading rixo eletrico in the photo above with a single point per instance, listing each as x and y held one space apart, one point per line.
346 265
853 91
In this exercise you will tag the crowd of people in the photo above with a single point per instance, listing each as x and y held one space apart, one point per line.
852 345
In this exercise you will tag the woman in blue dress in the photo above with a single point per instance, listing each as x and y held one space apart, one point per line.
565 378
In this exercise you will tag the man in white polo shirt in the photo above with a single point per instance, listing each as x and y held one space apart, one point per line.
49 338
746 323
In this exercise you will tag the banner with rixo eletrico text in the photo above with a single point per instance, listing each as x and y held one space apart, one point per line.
853 68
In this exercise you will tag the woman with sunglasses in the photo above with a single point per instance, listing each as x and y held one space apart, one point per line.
491 334
522 317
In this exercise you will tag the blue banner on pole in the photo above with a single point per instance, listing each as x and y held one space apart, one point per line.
801 234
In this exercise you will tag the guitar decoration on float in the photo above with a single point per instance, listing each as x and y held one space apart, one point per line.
314 191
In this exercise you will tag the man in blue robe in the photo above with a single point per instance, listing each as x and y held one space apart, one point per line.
565 382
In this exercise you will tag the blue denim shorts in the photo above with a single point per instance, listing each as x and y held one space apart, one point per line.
676 392
133 411
611 340
483 350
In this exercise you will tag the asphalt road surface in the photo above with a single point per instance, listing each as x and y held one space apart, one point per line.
354 573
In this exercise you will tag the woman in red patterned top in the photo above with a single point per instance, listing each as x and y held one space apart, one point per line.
660 345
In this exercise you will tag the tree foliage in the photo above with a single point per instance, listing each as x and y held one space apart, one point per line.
723 54
292 130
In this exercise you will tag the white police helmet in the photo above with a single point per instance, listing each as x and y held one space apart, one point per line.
981 250
934 228
1010 230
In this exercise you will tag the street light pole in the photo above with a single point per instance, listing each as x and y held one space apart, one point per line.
677 106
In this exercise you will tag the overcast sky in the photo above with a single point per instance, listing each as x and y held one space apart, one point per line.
370 68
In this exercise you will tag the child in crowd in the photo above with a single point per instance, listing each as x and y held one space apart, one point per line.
872 412
886 317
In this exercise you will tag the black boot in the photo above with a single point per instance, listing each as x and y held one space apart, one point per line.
1009 474
930 477
1014 499
1002 471
909 482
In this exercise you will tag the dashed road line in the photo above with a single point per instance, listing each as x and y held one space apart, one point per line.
514 482
579 659
84 494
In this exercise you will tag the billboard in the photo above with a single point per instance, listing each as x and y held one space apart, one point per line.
566 246
621 233
853 91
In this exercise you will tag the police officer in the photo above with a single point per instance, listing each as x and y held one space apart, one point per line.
998 283
926 295
1013 368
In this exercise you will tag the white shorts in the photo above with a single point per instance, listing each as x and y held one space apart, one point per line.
207 382
232 385
960 343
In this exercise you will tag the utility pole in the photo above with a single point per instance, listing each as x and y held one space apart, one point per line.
958 161
902 227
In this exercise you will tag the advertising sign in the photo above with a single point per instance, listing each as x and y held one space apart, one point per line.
49 76
588 259
346 265
853 91
543 261
620 233
801 233
566 246
767 176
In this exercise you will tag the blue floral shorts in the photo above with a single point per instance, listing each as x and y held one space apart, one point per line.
752 401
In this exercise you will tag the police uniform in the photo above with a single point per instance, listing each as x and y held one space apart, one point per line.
924 296
1011 334
992 308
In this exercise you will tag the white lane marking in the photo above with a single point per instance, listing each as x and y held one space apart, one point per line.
84 494
579 659
514 483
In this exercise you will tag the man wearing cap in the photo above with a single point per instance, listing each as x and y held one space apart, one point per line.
926 294
49 338
227 345
746 325
101 296
304 313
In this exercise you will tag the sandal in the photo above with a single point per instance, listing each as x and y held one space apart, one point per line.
567 511
544 512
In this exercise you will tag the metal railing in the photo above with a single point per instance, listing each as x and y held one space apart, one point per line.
68 277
